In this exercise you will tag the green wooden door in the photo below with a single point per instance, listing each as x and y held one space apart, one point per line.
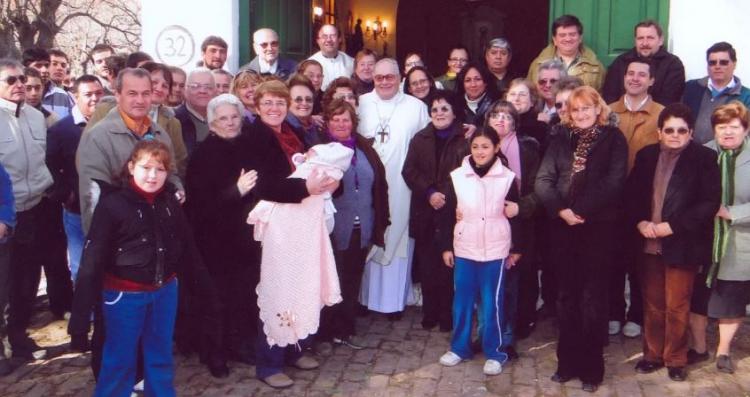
290 18
608 24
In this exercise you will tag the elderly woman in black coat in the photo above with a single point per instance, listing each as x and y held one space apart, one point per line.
433 153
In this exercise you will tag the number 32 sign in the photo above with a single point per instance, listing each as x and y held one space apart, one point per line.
175 46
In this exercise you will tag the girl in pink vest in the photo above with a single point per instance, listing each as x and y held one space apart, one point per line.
480 248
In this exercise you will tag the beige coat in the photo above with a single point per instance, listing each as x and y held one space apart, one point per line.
588 68
639 127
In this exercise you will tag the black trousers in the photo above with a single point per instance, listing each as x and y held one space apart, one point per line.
338 321
624 261
35 243
437 283
583 253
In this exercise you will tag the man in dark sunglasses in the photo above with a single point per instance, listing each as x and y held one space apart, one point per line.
667 69
267 60
721 86
23 134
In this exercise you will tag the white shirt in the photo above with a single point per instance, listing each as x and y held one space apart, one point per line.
340 66
266 68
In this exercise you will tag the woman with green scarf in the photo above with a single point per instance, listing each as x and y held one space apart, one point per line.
729 275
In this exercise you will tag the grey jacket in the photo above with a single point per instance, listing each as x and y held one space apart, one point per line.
23 143
285 67
735 265
102 154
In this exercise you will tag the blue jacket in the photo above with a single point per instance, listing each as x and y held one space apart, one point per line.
7 202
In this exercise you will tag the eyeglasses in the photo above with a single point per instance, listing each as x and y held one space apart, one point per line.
413 64
388 78
444 109
348 96
722 62
11 80
670 130
420 82
270 104
501 116
546 81
558 105
274 44
300 99
197 86
458 60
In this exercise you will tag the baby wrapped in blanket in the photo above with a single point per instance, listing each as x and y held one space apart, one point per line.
298 272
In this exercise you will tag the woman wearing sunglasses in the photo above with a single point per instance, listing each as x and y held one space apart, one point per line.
673 191
301 110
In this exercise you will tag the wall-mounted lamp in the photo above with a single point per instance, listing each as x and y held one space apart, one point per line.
318 11
376 28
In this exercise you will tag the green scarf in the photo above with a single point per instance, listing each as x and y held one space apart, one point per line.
727 159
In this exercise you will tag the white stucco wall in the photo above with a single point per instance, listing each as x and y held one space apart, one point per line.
173 30
694 25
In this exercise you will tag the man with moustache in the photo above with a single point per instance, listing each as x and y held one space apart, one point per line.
335 63
638 114
213 52
267 59
567 47
668 71
391 118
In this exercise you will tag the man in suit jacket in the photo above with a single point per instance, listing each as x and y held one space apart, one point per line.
267 60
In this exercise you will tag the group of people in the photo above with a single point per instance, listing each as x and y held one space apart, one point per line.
331 186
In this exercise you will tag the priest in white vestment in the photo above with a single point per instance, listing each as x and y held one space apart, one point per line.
391 118
335 63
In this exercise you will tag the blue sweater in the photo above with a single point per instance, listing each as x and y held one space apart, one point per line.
7 202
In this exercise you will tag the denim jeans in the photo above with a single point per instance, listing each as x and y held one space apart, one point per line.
130 317
76 238
485 279
270 360
509 305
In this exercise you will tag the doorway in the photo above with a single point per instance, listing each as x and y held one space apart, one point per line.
432 30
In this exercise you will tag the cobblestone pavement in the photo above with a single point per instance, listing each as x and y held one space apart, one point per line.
401 360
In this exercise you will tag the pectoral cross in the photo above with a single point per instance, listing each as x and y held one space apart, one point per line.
383 134
383 130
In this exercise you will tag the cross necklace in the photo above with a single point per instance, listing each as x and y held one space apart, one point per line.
383 130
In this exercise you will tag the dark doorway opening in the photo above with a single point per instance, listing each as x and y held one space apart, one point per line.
432 27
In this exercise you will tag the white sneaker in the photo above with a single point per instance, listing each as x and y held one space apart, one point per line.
450 359
492 367
631 330
138 387
614 327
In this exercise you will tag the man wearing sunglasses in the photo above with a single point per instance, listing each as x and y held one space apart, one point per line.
721 86
23 136
267 59
668 71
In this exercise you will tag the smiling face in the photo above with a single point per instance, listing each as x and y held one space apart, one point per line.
272 110
365 68
584 114
328 41
177 95
520 96
246 94
201 88
457 60
315 74
226 122
346 94
474 85
442 114
87 97
675 134
135 97
567 40
302 102
482 150
638 79
419 84
722 70
546 80
647 41
412 61
386 80
148 173
223 83
266 45
502 122
341 125
730 135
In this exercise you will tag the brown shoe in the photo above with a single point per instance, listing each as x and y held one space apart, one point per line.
278 381
306 362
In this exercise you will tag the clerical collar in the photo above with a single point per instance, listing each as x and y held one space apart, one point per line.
640 106
265 67
195 113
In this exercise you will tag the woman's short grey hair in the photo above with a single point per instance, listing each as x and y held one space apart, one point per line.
223 99
553 64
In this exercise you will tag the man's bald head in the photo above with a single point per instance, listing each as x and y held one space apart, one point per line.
266 44
386 77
